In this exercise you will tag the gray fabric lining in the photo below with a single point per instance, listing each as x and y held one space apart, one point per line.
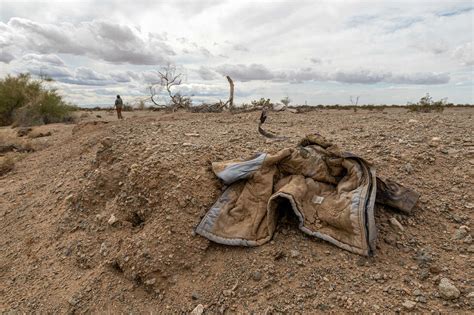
241 170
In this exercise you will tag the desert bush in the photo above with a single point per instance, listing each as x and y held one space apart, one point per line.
426 105
127 108
6 165
26 102
285 101
262 102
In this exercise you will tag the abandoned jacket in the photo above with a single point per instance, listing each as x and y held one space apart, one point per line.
332 193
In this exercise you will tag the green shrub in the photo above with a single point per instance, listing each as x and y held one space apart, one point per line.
26 102
426 105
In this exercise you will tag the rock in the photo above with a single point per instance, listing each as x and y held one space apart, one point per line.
73 301
468 239
294 253
103 249
69 198
408 168
112 220
377 276
150 281
470 298
227 293
470 249
409 305
412 121
397 224
198 310
447 290
417 292
423 258
195 295
191 134
256 275
461 232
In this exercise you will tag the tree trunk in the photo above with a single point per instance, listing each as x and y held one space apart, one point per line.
231 93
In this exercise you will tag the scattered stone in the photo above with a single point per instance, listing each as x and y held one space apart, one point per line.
195 295
227 293
192 134
256 275
461 232
150 282
408 168
417 292
397 224
112 220
294 253
412 121
447 290
470 249
198 310
69 198
435 269
470 298
409 305
73 301
423 258
468 239
103 249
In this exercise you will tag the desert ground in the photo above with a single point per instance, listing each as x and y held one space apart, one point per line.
99 217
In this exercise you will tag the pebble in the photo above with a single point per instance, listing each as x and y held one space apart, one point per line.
408 168
198 310
69 198
103 249
256 275
112 220
195 295
294 253
447 290
460 233
151 281
396 224
409 305
73 301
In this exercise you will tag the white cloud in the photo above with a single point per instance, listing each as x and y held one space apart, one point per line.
465 54
108 41
333 48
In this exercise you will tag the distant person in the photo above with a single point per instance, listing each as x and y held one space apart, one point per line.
118 106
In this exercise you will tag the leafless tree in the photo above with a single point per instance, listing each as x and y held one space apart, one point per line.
354 102
170 77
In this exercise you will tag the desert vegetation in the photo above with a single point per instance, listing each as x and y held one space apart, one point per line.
25 101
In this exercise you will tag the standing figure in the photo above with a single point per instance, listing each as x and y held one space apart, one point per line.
118 106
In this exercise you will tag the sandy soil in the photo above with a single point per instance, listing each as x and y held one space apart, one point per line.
100 218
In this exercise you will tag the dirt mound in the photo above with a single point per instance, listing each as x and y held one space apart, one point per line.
101 218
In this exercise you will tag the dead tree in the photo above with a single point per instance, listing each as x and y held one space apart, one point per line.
354 103
230 102
170 78
231 92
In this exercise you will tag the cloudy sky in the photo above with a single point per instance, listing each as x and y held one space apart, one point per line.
318 52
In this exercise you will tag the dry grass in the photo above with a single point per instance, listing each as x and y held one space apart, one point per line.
6 165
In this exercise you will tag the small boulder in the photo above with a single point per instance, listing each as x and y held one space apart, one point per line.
198 310
112 220
447 290
409 305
